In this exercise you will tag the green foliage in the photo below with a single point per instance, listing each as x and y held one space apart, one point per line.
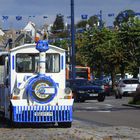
62 43
129 36
81 24
123 17
93 21
113 51
58 24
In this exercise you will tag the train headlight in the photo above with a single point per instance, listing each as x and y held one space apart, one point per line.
68 90
68 93
16 91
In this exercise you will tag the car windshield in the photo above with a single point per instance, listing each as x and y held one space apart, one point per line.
81 83
131 81
99 82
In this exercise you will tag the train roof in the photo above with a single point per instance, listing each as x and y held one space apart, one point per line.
34 45
4 53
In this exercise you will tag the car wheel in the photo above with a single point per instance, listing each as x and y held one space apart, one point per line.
74 96
116 96
101 98
82 100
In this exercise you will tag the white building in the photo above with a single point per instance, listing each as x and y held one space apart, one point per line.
1 32
30 29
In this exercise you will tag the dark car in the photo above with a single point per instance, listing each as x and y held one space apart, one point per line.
84 90
107 87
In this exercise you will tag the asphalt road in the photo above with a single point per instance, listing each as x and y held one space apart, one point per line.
88 117
111 112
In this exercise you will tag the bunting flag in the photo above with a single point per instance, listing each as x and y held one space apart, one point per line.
31 16
68 16
18 18
125 14
98 15
84 16
111 15
45 17
5 18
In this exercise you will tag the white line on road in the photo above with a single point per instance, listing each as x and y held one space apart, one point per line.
104 111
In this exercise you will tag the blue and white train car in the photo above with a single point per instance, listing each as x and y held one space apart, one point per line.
33 85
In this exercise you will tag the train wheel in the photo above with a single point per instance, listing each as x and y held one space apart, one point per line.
11 123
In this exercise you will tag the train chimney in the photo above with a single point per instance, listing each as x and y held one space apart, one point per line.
42 47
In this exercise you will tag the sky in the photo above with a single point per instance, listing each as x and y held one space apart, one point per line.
51 8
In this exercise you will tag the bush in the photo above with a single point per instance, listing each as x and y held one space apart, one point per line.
135 99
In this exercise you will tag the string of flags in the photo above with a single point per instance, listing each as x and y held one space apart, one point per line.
84 16
18 18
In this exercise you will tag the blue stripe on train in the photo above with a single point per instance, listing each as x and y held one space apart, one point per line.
40 114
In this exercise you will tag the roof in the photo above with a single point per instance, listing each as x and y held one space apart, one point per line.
23 35
33 45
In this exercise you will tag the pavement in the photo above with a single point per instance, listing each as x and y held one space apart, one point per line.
87 131
132 105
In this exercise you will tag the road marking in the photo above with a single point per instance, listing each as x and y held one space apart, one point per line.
89 107
109 105
104 111
105 108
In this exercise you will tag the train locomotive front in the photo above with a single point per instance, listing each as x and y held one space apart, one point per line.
36 86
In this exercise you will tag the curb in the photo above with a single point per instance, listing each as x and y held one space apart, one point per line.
131 105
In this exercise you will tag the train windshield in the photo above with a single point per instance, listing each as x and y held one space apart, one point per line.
28 63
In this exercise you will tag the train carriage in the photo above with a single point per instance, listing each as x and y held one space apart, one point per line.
33 85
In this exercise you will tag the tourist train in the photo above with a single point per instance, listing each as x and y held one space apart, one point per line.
33 85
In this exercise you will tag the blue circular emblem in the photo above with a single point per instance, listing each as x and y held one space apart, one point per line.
42 89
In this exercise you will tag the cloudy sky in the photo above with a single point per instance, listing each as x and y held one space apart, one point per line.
50 8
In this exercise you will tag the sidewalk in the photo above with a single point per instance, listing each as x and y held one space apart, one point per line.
86 131
132 105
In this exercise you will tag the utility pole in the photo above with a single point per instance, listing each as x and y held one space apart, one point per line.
100 28
72 41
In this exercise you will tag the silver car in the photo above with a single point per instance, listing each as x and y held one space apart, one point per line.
126 87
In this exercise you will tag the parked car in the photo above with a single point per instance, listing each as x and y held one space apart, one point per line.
84 90
138 88
126 87
105 84
136 96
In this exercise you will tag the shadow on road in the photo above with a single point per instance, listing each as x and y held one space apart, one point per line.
4 123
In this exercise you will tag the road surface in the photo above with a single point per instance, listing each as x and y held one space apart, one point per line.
111 112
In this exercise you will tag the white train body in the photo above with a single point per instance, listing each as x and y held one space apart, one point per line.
33 85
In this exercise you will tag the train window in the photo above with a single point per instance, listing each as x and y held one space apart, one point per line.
52 63
28 63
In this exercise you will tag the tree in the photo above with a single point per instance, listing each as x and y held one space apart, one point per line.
101 50
93 21
129 35
81 24
123 17
58 24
